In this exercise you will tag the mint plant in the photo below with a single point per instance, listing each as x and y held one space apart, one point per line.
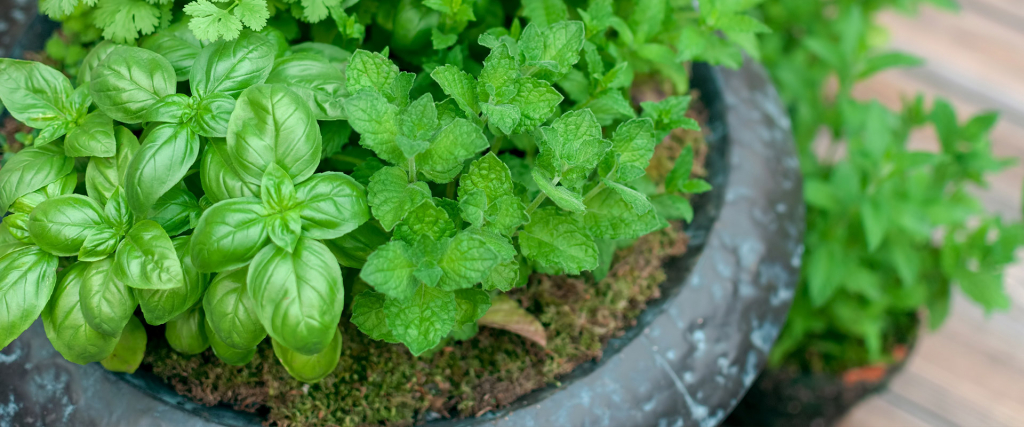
223 197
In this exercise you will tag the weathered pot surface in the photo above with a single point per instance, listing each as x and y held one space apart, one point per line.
692 355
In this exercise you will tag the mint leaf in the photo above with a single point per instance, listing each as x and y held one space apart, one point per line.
497 82
610 216
376 121
471 304
459 85
455 143
422 320
417 124
370 70
536 101
637 201
368 315
468 260
557 239
555 48
391 196
672 206
563 197
545 12
390 270
441 40
425 220
505 116
571 147
680 172
632 148
504 276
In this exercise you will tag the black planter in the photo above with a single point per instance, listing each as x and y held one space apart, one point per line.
692 355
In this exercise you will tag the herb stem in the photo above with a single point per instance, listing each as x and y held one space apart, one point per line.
496 146
412 169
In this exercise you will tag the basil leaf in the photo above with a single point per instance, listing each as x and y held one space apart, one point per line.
27 278
93 137
212 114
176 211
31 169
229 234
226 353
117 214
178 45
17 225
61 225
146 259
220 179
166 155
321 84
332 204
161 305
61 187
96 55
107 303
368 315
173 108
310 368
130 349
104 174
335 135
420 322
129 81
558 239
273 124
99 245
352 249
231 66
65 323
35 94
231 312
285 229
299 295
187 333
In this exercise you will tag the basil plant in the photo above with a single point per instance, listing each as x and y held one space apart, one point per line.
211 185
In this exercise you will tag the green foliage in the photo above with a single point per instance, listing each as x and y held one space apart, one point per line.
235 205
890 229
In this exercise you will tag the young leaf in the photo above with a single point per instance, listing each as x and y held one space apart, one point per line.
146 259
390 270
459 85
161 305
27 278
612 216
572 146
130 348
466 261
428 220
167 153
536 101
103 174
558 240
229 234
632 148
310 368
555 48
231 313
455 144
422 320
563 197
65 324
107 303
298 295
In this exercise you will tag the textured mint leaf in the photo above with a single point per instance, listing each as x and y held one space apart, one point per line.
376 121
557 239
398 92
454 145
648 18
441 40
417 124
368 315
488 174
391 196
498 81
673 206
505 116
555 48
390 270
459 85
680 172
669 114
467 260
506 214
545 12
611 107
563 197
471 304
537 101
632 148
473 206
425 220
571 147
610 216
635 199
505 276
422 320
370 70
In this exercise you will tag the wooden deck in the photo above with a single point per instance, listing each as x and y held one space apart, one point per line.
971 372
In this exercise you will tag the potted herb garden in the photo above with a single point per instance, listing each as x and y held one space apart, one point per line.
892 231
390 212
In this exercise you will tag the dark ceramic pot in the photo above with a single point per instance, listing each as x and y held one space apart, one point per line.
689 359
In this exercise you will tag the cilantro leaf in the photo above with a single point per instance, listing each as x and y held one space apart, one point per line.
210 22
253 13
123 21
557 239
422 320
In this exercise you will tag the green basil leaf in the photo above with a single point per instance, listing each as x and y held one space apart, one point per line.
129 81
94 137
277 190
368 315
173 108
229 234
421 321
99 245
61 225
130 349
335 135
166 155
226 353
212 114
273 124
332 204
310 368
65 323
96 55
17 226
51 132
162 305
104 174
31 169
352 249
231 312
27 278
558 239
178 45
61 187
187 333
220 179
176 211
35 94
231 66
107 303
299 295
146 259
285 229
321 84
